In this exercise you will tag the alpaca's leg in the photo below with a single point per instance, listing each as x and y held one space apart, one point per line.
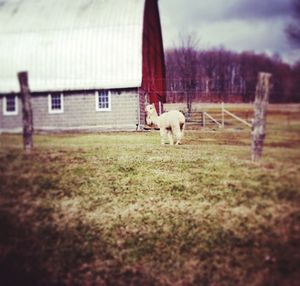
170 135
182 127
180 133
177 134
162 135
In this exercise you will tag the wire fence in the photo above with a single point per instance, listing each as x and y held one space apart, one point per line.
235 115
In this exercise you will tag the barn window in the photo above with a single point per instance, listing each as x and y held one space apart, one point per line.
103 100
56 103
10 105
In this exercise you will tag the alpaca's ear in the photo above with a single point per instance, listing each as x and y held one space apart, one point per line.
153 104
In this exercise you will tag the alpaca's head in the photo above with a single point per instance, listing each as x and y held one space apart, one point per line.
151 113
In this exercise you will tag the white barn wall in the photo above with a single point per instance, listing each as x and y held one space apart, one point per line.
79 113
10 123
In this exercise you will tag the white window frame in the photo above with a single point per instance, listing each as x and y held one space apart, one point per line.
9 113
55 111
97 101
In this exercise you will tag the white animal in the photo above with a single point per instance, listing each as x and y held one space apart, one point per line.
170 123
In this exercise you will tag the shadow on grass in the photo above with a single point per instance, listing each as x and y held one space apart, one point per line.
37 246
48 256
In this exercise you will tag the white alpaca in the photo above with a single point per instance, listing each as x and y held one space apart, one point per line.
170 123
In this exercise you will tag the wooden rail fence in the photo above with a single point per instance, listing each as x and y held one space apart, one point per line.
203 118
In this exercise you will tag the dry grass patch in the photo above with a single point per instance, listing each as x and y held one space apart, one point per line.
119 209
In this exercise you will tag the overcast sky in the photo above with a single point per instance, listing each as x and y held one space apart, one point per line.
239 25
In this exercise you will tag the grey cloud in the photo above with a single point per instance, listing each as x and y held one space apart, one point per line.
220 10
239 25
259 9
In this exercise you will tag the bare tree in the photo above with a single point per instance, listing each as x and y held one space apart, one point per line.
220 75
186 57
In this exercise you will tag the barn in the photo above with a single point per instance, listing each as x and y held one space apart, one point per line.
92 64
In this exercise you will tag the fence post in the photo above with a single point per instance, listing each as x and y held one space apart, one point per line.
27 112
223 115
189 103
203 119
260 108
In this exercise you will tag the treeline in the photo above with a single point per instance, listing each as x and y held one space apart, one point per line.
221 75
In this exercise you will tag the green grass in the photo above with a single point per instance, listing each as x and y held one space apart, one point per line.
119 209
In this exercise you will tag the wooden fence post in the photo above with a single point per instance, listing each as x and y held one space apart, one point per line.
27 112
223 120
259 121
189 103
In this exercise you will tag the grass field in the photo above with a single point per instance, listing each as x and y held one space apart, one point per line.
119 209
